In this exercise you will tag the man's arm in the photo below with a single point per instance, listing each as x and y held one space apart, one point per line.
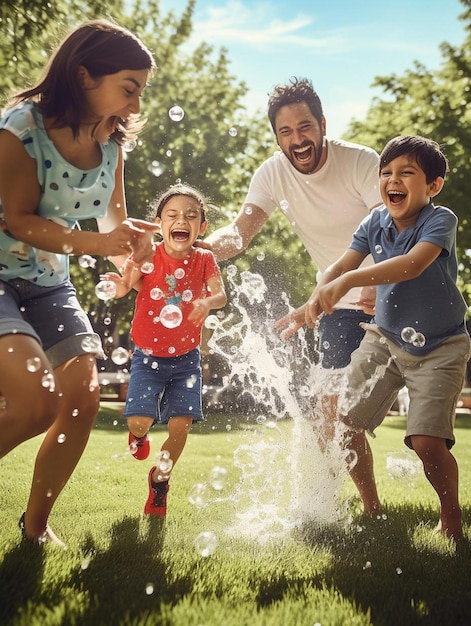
232 239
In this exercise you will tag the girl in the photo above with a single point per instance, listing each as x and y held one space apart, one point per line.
61 161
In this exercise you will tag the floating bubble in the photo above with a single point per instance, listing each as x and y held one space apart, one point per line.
163 461
86 261
91 344
248 210
217 477
120 356
33 364
233 131
261 256
205 543
147 267
176 113
171 350
408 334
418 340
284 205
261 419
351 459
149 589
129 145
170 316
187 295
105 290
156 168
61 438
179 273
156 293
378 249
198 495
403 465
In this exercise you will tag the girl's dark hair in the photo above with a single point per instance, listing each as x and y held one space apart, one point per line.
426 152
180 189
297 90
103 48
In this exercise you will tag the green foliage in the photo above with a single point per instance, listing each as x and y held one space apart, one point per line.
435 104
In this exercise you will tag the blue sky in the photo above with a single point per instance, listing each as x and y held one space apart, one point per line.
342 46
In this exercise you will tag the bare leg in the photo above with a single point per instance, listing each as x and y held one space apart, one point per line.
30 406
178 429
362 472
441 470
139 426
65 440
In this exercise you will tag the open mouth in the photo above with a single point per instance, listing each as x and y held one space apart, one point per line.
303 154
180 235
396 197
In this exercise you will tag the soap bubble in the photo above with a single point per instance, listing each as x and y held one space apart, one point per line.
418 340
120 356
170 316
86 261
147 267
105 290
156 293
211 322
233 131
217 477
91 343
163 461
198 495
205 543
408 334
176 113
378 249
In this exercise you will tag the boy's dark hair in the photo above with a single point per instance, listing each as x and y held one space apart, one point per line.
103 48
426 152
180 189
297 90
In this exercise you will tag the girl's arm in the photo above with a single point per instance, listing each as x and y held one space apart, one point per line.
129 278
216 300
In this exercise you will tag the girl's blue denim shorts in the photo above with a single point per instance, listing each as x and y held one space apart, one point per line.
165 387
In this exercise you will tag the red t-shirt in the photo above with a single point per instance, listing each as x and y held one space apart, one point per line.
164 301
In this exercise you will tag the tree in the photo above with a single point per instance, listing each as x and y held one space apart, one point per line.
435 104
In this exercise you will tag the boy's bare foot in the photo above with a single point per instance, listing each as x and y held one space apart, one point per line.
450 527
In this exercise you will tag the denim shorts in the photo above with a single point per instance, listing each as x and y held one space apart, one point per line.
52 315
165 387
340 334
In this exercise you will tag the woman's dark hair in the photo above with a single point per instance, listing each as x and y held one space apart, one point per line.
426 152
103 48
297 90
180 189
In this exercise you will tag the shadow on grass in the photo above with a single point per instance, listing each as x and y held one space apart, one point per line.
129 579
392 567
21 573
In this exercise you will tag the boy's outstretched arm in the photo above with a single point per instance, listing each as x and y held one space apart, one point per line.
395 270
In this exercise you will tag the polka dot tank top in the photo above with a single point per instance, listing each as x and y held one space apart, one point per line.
68 195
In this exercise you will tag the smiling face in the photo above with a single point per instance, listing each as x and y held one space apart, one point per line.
180 224
111 98
405 191
300 137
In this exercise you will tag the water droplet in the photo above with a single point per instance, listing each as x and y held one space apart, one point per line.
61 438
217 477
149 589
33 364
378 249
233 131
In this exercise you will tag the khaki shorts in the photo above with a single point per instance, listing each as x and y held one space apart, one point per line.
379 368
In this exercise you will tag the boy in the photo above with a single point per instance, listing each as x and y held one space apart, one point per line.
418 337
176 293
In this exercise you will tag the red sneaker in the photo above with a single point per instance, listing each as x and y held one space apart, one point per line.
157 501
139 446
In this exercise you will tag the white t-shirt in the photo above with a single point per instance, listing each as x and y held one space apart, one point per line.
324 208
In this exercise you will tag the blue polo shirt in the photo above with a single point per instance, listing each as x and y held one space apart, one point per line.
431 304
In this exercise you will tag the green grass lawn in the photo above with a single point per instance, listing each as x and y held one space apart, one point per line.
122 569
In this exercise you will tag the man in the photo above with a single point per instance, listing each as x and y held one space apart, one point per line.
325 188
